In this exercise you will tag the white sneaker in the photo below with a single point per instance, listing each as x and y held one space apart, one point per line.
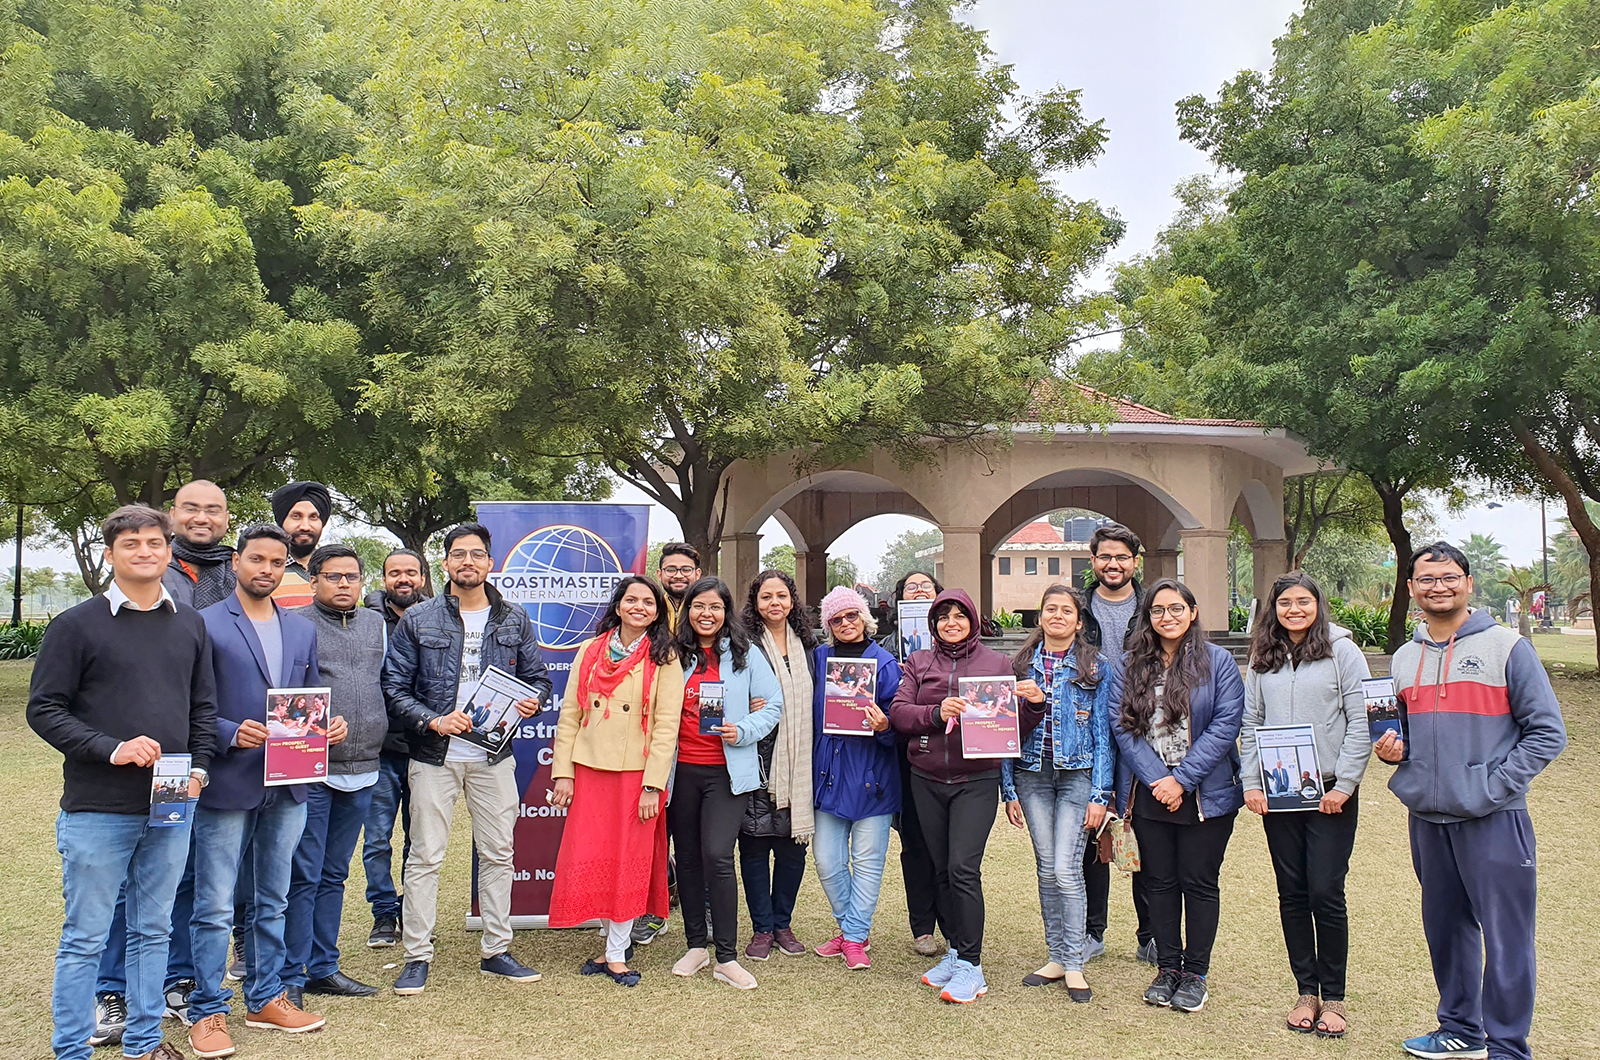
734 975
692 962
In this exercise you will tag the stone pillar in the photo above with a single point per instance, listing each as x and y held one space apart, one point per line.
964 560
1270 561
986 593
811 577
1205 572
1160 563
739 561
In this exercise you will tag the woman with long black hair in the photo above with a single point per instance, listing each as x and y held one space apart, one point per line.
716 772
1176 706
1306 671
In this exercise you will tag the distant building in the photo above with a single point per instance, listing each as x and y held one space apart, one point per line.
1033 558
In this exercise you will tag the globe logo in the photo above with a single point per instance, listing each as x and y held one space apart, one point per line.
564 575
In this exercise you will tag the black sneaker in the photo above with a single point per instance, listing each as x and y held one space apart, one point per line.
1191 993
236 965
505 966
1147 952
1165 985
385 933
110 1019
413 979
178 995
646 928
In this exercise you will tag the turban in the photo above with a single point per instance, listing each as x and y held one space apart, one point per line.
286 497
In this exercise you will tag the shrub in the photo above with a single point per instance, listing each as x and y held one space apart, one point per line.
1368 626
1007 619
21 642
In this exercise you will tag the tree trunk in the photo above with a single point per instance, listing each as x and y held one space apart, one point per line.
1394 522
1577 513
699 499
93 570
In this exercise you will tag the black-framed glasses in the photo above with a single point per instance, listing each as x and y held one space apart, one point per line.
1175 610
340 579
678 570
1121 561
1428 581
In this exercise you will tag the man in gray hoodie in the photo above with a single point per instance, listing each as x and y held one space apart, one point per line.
352 639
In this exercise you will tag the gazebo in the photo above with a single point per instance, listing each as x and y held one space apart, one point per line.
1175 482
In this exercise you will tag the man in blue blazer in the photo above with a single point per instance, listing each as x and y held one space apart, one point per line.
255 645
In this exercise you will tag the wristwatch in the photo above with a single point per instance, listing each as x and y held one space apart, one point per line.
653 791
201 775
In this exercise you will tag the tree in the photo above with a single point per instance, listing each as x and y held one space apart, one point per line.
842 571
780 557
900 556
673 234
1488 562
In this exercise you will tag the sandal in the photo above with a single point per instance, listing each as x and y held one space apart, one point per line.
1337 1008
1310 1005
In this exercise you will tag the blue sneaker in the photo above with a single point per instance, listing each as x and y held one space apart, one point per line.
1444 1045
505 966
413 980
966 985
939 975
1093 947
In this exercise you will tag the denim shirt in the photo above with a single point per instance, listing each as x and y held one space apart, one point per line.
1081 720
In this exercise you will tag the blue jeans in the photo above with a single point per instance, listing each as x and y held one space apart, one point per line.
850 857
180 958
99 853
391 796
221 838
1053 803
316 884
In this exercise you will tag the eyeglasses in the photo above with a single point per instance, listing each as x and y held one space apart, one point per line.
459 554
1175 610
677 570
1120 561
707 609
843 617
212 510
920 584
339 579
1428 581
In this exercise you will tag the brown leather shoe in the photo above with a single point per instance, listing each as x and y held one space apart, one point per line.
281 1015
161 1052
209 1037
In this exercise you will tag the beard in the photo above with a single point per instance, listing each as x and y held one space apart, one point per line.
402 598
299 545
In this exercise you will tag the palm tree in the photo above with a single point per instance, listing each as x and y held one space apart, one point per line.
1487 560
1522 583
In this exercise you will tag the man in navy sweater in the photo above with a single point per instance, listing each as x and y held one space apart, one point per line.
122 680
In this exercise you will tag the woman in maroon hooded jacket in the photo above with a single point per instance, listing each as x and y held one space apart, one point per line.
956 800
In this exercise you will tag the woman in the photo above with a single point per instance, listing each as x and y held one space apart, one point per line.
611 757
1176 706
857 783
716 772
779 823
1305 670
955 799
916 864
1063 782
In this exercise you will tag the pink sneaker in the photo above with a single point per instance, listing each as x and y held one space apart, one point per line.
855 956
834 947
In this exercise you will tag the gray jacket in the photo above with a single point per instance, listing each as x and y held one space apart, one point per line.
350 656
1324 693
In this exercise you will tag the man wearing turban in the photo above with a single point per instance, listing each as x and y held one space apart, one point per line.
302 509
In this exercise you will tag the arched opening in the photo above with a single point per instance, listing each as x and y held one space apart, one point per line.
1257 553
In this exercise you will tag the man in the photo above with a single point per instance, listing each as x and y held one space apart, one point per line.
201 571
1482 722
1279 778
437 653
1115 597
119 682
243 829
302 509
350 646
677 569
403 584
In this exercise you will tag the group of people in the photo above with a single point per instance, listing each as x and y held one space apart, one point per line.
1138 734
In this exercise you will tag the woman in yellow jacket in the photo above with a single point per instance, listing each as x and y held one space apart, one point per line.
613 753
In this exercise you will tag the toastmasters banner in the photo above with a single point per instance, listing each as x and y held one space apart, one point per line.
560 560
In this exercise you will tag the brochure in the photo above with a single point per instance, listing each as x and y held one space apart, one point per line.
989 725
711 712
493 709
912 630
852 686
1290 774
297 735
169 791
1383 707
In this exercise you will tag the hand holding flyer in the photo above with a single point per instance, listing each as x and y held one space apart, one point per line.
169 791
1383 708
1290 773
298 720
711 709
494 709
990 727
852 686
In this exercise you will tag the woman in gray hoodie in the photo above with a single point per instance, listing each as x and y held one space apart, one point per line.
1306 671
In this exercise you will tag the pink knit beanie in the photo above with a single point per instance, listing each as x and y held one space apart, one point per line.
839 601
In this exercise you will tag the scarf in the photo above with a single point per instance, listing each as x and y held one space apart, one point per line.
602 672
789 780
210 567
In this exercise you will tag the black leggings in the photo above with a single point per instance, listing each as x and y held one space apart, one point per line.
1097 888
916 864
1180 864
956 819
704 818
1311 856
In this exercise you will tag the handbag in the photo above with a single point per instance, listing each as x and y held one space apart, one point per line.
1124 845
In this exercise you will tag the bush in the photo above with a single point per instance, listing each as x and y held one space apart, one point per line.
1368 626
1238 618
1007 619
21 642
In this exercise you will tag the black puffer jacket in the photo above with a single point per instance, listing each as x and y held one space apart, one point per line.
761 817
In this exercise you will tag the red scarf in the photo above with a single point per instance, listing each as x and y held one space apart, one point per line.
599 676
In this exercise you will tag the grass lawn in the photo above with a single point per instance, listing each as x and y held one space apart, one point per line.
1562 651
814 1008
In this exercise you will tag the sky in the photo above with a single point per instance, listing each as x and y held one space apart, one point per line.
1133 60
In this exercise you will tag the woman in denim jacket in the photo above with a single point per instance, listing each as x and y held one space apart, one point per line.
1063 781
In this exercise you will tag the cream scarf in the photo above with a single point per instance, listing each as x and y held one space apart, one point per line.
790 778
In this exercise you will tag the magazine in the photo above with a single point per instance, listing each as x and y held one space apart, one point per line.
297 735
989 725
493 709
1383 707
852 686
169 791
711 711
912 632
1290 774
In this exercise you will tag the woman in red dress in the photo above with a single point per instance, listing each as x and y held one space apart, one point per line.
613 753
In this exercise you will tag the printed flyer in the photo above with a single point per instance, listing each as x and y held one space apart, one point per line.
852 686
297 735
989 724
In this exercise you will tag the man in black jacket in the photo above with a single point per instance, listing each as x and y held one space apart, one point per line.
439 650
403 585
122 681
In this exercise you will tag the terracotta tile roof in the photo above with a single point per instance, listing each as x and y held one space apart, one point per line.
1124 411
1040 533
